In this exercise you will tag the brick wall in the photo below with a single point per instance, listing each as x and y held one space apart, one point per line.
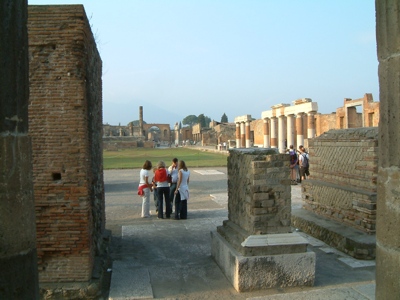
343 167
65 120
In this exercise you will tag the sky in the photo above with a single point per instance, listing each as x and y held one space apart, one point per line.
239 57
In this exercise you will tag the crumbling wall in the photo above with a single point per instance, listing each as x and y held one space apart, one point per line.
65 119
343 185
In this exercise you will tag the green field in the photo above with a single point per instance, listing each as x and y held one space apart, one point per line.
134 158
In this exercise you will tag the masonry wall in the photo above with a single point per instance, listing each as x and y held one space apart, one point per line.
343 185
65 115
259 191
18 255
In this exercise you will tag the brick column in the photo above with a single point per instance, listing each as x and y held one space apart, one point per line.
266 133
242 135
238 145
274 140
281 134
299 129
18 254
248 141
290 130
310 125
388 209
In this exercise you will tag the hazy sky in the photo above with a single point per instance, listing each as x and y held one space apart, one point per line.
187 57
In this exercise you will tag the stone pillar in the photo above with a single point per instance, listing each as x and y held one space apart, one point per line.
255 248
248 141
242 135
281 134
290 130
299 129
310 125
274 140
18 254
266 133
238 145
141 119
388 207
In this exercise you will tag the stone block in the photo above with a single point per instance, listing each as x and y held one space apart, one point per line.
249 273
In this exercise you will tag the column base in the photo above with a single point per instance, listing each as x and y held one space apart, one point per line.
249 273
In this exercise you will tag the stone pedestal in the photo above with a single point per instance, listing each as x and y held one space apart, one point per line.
255 248
264 271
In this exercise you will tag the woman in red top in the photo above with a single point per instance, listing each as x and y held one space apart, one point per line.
161 178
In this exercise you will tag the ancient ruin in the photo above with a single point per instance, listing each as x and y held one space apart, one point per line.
295 124
65 124
343 189
18 249
256 248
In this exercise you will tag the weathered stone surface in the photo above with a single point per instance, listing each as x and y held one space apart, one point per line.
343 167
18 256
65 113
247 273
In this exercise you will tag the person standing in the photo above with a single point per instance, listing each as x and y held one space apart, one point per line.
303 163
145 188
161 179
173 172
293 165
182 192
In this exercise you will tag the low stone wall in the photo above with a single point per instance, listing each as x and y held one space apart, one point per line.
120 143
343 167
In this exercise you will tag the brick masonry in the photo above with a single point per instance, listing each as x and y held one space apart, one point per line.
343 167
65 123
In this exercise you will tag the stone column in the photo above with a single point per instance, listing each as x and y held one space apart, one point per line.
274 140
18 254
290 130
388 207
310 125
281 134
266 133
238 145
242 135
248 141
299 129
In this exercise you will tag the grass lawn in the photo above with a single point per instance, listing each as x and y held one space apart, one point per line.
134 158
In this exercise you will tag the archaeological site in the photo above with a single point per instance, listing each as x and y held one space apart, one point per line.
53 238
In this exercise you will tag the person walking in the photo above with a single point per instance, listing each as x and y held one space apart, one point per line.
173 172
161 179
145 188
182 192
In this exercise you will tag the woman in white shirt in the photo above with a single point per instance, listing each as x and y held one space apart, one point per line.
182 192
145 188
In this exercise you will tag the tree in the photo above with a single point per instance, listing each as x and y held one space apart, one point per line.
208 120
224 118
190 120
201 119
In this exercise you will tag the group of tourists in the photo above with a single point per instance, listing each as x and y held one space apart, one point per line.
299 164
169 185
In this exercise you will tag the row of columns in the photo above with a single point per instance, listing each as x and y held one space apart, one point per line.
279 132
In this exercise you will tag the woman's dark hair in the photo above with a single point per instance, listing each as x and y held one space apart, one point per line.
182 165
147 165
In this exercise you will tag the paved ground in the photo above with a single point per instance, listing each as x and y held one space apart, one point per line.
168 259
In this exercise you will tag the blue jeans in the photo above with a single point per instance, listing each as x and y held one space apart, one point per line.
163 194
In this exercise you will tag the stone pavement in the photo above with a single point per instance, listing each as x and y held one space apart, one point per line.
168 259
